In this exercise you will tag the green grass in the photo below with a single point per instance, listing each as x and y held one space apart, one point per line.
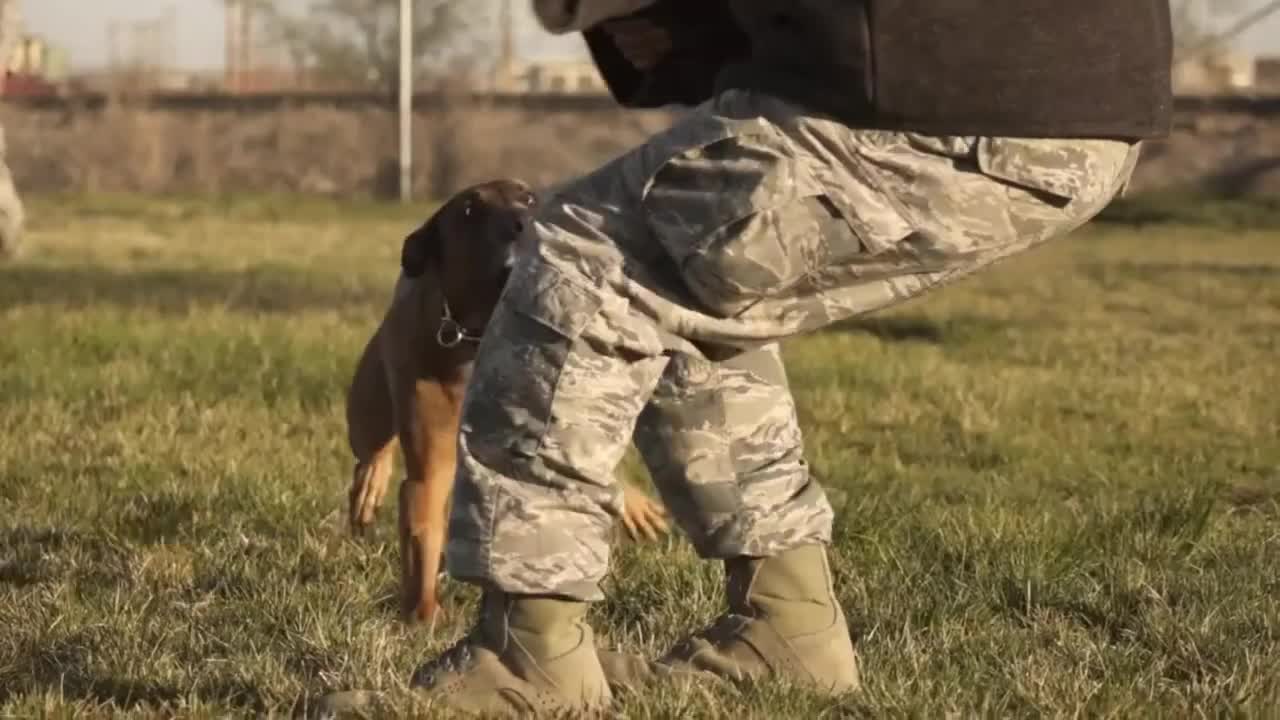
1060 480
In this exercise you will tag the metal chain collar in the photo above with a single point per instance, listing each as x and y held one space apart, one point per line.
451 334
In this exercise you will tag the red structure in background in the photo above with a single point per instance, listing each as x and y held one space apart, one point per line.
26 86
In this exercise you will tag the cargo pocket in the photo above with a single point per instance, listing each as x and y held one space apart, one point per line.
1055 171
747 217
550 298
542 314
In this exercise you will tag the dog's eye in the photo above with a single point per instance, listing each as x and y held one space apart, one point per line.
466 209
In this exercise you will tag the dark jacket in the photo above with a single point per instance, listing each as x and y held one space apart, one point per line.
1028 68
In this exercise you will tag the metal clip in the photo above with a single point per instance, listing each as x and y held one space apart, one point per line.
450 334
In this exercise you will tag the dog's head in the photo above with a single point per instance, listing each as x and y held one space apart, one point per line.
471 241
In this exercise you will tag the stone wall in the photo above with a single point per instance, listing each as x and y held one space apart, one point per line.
1231 154
308 150
352 151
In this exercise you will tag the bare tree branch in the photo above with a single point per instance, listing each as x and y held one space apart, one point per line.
1191 20
356 42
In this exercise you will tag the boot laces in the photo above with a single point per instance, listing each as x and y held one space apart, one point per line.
457 659
723 629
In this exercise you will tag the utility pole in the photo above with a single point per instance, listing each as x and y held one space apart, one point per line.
235 13
507 38
113 46
406 100
239 45
247 59
168 38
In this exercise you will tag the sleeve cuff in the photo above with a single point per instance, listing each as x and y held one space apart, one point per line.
561 17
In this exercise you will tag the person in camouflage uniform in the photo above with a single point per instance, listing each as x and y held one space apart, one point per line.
843 156
11 211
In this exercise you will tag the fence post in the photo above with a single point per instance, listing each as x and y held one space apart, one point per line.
406 100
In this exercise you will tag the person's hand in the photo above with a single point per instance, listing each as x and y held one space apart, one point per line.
643 43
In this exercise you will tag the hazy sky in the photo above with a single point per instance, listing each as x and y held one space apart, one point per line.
81 27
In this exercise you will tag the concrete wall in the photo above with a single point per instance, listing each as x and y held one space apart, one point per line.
1232 153
309 150
352 150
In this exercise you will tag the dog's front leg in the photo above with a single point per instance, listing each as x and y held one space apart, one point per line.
428 430
371 435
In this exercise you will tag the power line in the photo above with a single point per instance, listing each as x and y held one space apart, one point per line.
1241 25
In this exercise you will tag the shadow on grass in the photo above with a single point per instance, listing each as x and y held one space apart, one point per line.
25 549
894 329
1225 205
1254 498
34 554
1162 270
266 290
157 519
1119 616
64 665
62 670
919 328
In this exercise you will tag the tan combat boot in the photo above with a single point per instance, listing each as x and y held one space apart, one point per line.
783 622
527 655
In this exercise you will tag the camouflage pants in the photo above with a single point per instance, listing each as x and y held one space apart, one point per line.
652 308
11 212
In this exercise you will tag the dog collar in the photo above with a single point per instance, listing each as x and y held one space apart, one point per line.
451 333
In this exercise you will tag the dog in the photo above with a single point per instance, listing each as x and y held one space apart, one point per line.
411 379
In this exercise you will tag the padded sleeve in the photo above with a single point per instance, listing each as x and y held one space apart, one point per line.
705 37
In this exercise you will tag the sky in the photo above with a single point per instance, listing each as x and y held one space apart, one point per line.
80 26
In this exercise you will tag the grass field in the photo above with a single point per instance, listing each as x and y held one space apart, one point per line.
1060 481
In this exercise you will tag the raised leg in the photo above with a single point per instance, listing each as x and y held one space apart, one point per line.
372 437
642 518
724 447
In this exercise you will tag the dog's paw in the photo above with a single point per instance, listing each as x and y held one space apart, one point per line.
368 488
425 611
643 518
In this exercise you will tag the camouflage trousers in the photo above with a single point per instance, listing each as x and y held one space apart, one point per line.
11 211
652 309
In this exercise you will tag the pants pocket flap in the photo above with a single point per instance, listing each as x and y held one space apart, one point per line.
1059 168
545 294
875 219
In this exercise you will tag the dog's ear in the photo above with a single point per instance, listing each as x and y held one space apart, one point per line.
421 248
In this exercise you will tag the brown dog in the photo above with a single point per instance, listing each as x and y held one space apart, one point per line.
411 379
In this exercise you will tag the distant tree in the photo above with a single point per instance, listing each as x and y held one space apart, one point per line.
357 42
1192 20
